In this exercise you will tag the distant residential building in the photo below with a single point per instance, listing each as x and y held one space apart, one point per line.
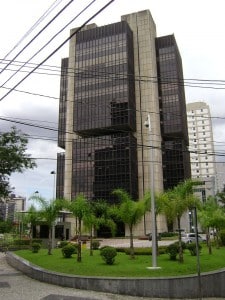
10 206
220 176
201 147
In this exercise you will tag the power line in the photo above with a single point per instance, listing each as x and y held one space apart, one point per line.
120 76
49 41
103 138
21 122
53 19
62 44
47 12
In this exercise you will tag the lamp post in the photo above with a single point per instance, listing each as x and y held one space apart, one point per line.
53 173
153 217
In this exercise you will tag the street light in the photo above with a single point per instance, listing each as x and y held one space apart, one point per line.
53 173
153 218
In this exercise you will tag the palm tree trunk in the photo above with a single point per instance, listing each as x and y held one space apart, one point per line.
181 257
91 239
50 240
79 242
131 243
208 241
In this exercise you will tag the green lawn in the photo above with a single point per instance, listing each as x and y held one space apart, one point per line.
124 266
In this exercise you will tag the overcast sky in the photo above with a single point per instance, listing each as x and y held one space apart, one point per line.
198 27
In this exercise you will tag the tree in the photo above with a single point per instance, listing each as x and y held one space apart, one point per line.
80 209
5 226
13 146
99 213
105 215
206 218
130 212
177 201
221 198
32 218
160 198
49 211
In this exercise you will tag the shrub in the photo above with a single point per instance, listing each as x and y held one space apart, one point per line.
35 247
168 234
95 244
21 242
139 251
173 250
222 237
192 248
37 241
183 244
69 250
63 244
108 254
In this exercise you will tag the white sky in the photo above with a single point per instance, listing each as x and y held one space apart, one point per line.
198 27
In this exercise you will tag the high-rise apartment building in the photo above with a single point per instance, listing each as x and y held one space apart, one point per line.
201 146
11 206
116 75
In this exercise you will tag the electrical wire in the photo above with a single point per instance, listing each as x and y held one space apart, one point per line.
36 35
62 44
95 73
46 13
49 41
88 142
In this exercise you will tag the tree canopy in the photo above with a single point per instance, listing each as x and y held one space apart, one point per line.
13 157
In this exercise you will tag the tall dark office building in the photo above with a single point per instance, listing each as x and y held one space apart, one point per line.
109 87
175 155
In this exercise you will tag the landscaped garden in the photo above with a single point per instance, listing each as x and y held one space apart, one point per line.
123 265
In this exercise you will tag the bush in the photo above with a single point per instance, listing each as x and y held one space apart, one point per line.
63 244
22 242
183 244
192 248
37 241
95 244
168 234
222 237
35 247
172 250
69 250
108 254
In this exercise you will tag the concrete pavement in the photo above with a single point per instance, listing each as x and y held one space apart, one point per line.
16 286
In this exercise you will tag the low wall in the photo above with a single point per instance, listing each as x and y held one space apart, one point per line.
212 283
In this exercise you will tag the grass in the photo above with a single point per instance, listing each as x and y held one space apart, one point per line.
124 266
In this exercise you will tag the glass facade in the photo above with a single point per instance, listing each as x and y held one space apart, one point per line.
62 103
60 175
175 156
103 163
104 80
105 153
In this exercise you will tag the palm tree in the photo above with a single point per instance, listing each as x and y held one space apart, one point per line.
49 211
79 207
32 217
177 201
130 212
99 214
160 198
207 216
